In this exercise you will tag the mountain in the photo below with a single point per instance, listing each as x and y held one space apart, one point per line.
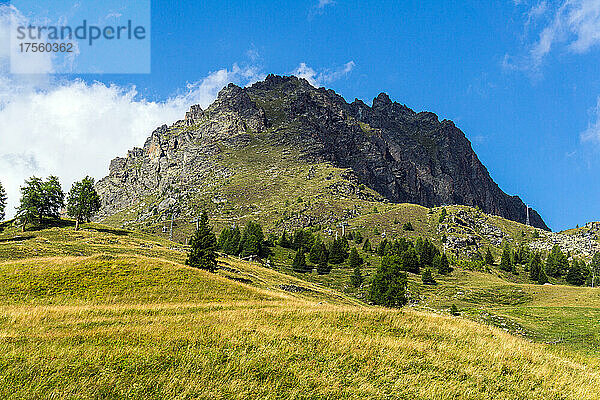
250 140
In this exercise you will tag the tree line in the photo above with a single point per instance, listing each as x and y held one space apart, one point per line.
44 199
556 265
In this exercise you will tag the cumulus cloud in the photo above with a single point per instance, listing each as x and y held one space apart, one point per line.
573 25
73 128
326 76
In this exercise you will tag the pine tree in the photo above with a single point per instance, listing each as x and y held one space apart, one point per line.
408 226
595 268
229 241
83 201
337 254
299 264
557 263
202 247
506 261
2 202
388 287
542 277
53 198
443 215
426 251
442 264
323 265
303 239
489 258
381 247
577 273
354 260
410 261
535 266
284 241
40 199
427 277
315 252
356 279
367 246
251 243
358 238
32 199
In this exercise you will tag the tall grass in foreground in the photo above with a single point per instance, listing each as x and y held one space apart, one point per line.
138 327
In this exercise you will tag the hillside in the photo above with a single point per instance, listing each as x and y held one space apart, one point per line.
281 141
109 313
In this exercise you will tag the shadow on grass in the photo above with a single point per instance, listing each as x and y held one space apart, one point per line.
17 239
118 232
49 223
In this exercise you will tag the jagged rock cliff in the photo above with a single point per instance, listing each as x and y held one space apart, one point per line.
403 155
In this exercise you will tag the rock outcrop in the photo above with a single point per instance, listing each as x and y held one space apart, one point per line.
403 155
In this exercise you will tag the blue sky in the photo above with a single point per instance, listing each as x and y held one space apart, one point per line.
520 78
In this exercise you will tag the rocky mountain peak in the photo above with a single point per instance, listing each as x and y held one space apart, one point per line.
382 100
406 157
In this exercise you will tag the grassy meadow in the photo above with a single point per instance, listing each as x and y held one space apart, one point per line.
112 314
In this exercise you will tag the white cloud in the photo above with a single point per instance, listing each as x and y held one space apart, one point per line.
573 24
326 76
592 133
71 128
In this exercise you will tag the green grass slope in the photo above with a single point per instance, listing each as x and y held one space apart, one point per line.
105 313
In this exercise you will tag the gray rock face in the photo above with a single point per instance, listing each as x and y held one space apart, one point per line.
405 156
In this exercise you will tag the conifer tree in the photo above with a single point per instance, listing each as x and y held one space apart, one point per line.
251 243
367 246
202 247
83 201
358 238
40 199
557 263
315 252
30 207
388 286
229 241
354 260
506 260
454 310
53 198
323 266
356 279
299 264
595 268
443 215
542 277
489 258
337 254
577 273
442 264
427 277
410 261
535 266
284 241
